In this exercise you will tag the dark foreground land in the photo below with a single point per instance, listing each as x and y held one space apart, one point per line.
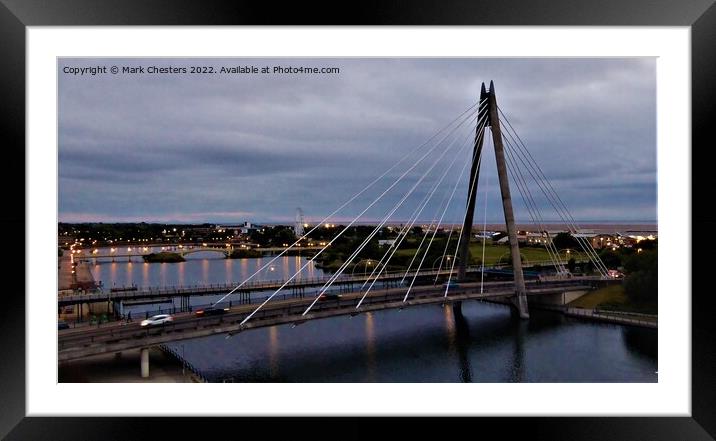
107 368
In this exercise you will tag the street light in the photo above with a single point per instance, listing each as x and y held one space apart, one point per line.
368 262
447 259
522 258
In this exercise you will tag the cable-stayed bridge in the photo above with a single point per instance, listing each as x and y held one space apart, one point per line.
424 182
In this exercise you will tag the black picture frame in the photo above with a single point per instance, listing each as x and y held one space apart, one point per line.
16 15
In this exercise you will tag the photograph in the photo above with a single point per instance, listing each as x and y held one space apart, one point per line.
296 220
357 220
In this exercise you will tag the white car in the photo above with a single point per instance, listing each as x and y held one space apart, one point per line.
157 320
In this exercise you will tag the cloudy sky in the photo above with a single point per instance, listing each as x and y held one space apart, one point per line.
233 147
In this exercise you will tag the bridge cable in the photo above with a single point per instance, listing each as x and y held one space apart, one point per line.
426 233
528 200
349 225
402 234
484 234
396 246
377 228
431 239
552 197
413 216
481 125
600 265
584 248
355 196
532 207
437 227
373 233
431 194
457 247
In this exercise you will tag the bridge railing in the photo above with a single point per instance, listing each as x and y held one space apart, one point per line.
135 294
621 317
275 313
185 364
278 282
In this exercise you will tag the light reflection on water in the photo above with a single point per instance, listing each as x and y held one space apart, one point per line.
483 343
201 268
429 344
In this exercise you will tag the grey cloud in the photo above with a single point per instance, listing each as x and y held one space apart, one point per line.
165 145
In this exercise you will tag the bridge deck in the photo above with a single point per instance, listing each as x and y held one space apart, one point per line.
83 342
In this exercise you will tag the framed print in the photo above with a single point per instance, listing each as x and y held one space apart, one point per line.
443 211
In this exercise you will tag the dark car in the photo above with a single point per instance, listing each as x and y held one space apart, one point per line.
62 325
211 311
330 296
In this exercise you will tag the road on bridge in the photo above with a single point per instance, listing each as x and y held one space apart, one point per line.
115 337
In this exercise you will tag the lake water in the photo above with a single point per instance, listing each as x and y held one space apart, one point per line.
429 343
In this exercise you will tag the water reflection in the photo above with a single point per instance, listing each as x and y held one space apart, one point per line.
180 278
228 268
484 344
462 344
204 272
370 346
273 351
199 268
518 363
449 327
145 273
162 274
478 343
640 341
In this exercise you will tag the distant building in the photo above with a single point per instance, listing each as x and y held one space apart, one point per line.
247 228
484 234
534 238
642 235
384 242
600 241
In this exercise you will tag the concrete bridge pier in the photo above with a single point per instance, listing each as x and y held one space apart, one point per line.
518 306
514 308
144 362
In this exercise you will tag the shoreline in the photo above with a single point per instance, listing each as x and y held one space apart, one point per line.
125 368
606 316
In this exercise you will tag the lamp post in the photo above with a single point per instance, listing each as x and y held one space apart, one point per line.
522 258
368 262
568 253
448 258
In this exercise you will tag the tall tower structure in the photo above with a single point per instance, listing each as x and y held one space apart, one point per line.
298 227
488 104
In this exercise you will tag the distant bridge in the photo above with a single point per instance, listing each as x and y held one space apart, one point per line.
182 251
297 287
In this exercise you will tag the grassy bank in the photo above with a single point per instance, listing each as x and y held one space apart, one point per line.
612 298
494 254
501 253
